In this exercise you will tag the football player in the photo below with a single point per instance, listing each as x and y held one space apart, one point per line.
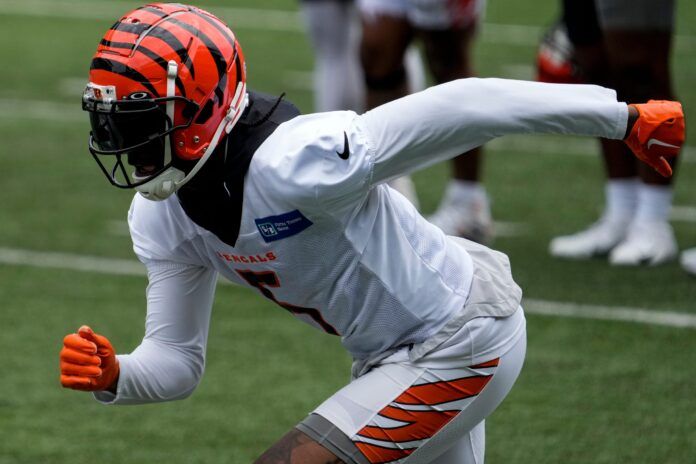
235 183
333 29
625 45
447 29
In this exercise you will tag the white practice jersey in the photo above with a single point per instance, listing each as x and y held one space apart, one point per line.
325 238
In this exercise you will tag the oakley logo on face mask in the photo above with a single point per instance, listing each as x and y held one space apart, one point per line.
138 96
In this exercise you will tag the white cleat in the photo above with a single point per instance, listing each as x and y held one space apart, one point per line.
650 243
688 261
467 219
597 240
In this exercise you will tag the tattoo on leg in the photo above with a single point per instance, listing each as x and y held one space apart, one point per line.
297 448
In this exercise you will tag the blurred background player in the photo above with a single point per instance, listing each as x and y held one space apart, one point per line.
334 30
333 27
447 29
623 45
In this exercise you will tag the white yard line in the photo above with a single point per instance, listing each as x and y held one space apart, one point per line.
263 19
41 110
73 87
127 267
610 313
72 262
510 229
683 213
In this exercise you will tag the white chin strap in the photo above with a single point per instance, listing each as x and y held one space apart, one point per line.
172 179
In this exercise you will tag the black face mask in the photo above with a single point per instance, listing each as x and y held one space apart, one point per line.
135 128
121 130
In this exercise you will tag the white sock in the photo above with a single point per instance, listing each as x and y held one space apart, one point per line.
333 28
415 71
464 191
621 196
654 203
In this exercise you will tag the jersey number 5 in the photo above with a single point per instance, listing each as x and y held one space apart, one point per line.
263 280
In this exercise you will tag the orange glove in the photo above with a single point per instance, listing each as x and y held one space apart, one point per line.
88 362
657 134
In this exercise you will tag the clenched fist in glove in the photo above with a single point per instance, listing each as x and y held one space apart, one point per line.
88 362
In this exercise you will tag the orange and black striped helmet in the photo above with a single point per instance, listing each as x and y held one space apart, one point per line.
167 83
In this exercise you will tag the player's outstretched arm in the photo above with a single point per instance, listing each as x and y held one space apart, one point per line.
449 119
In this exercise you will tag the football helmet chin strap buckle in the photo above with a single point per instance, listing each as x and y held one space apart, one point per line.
172 179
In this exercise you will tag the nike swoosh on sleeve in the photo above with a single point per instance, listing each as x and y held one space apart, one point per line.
346 148
660 143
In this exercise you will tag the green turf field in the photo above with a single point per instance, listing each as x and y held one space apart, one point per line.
592 391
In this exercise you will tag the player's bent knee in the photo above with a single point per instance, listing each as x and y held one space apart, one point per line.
448 54
377 62
386 81
325 433
297 447
445 69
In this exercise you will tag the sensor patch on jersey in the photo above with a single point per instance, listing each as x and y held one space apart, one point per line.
285 225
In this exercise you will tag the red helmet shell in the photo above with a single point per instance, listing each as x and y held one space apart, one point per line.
133 55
